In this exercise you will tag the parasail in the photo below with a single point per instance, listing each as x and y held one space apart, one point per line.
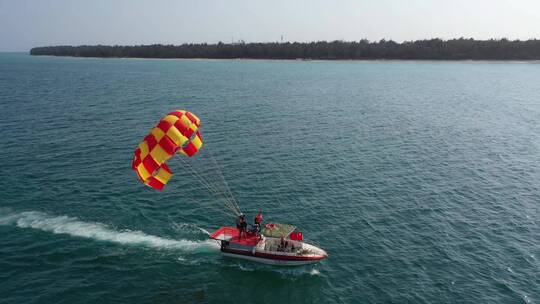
176 133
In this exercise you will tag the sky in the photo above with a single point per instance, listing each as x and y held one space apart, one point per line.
29 23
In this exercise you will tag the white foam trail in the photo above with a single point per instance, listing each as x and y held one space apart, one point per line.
97 231
184 227
314 272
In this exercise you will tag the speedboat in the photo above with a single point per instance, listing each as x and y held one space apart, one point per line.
276 244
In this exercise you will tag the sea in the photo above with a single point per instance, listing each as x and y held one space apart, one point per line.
421 179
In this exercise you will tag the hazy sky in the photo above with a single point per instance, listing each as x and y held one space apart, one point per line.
28 23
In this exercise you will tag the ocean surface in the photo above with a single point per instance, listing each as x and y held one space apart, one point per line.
421 180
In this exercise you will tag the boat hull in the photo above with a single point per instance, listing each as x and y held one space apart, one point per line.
272 259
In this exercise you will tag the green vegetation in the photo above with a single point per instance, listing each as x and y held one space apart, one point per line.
434 49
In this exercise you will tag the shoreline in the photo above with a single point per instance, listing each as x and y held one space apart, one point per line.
434 49
534 61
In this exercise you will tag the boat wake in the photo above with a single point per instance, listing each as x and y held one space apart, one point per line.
292 273
100 232
183 227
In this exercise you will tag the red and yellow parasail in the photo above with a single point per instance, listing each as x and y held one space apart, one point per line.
178 132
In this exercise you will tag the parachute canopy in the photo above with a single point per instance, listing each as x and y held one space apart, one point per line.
178 132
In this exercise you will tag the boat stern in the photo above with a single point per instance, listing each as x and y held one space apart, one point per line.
225 234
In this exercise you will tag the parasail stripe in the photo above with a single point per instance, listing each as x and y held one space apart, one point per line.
168 145
143 173
178 113
143 147
139 176
163 176
150 141
166 168
164 126
197 143
136 159
160 155
138 153
181 127
185 121
190 149
170 119
135 163
150 164
194 119
154 183
158 133
176 136
189 133
199 135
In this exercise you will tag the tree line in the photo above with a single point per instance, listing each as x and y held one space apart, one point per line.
431 49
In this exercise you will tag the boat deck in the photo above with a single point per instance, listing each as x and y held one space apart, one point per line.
232 235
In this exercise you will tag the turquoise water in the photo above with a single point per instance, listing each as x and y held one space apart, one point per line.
421 180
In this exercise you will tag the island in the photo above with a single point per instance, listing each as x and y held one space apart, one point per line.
430 49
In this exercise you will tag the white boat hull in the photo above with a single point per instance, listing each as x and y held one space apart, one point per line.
270 261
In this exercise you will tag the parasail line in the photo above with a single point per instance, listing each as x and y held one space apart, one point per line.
210 187
228 189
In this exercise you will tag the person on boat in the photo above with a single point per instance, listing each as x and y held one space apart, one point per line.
283 244
259 218
241 225
258 222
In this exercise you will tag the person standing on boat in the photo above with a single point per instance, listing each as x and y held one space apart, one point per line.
241 225
259 218
256 228
283 244
258 222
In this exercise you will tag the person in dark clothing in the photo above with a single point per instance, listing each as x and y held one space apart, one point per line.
241 225
283 244
256 228
244 226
